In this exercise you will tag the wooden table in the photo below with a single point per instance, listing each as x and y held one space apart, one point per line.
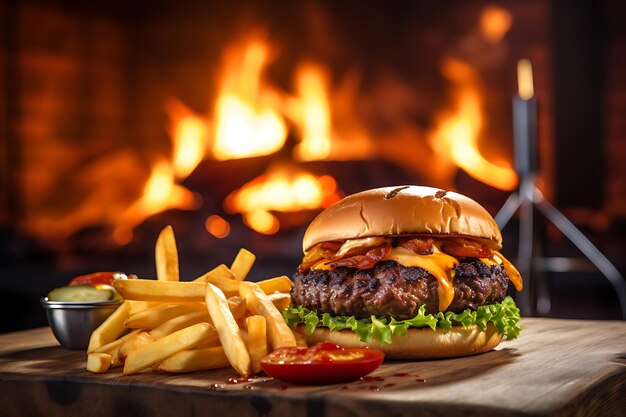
556 368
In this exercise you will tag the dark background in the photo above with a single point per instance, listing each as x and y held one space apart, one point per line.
141 52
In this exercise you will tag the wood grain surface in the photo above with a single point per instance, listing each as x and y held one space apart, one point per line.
555 368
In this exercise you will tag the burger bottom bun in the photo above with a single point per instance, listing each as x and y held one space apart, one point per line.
423 343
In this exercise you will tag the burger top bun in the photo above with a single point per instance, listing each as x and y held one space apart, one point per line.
403 210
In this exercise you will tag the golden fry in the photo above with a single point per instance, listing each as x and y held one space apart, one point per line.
229 287
180 322
195 360
137 306
242 264
109 348
257 341
98 362
227 329
158 351
278 284
220 271
155 316
110 329
113 348
280 299
167 291
166 256
132 344
280 334
238 306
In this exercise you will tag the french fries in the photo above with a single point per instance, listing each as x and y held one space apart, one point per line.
228 330
278 284
132 344
220 271
229 287
112 349
238 307
280 300
98 362
279 333
166 256
242 264
137 306
160 350
217 320
166 291
257 341
180 322
110 329
195 360
155 316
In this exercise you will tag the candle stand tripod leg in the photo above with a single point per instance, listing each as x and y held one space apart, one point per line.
528 197
507 210
585 246
512 204
525 248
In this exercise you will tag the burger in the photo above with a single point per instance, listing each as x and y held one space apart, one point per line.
413 271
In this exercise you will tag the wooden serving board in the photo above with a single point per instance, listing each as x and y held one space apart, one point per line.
556 368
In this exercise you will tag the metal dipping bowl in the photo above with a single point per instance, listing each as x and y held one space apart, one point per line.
73 322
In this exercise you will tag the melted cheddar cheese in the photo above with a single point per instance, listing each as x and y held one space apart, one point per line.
366 242
439 264
323 264
511 271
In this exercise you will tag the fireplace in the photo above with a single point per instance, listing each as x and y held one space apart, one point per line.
238 124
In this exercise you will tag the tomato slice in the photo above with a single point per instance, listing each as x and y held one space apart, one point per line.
97 278
324 363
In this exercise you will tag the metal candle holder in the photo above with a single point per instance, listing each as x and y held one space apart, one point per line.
528 196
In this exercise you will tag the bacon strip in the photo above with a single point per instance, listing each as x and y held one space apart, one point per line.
421 246
363 261
464 248
330 246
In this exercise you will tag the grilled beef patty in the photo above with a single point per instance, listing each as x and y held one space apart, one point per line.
391 289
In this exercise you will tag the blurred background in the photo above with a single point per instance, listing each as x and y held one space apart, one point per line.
237 122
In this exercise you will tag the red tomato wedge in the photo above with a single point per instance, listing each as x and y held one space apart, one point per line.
97 278
324 363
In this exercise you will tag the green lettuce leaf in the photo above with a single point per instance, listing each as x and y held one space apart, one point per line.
504 315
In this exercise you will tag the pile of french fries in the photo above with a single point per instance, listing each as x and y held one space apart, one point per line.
214 321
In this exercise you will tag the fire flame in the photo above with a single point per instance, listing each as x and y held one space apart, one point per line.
282 189
330 129
189 135
246 120
457 132
313 111
160 193
495 22
250 118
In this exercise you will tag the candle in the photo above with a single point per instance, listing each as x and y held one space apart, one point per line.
524 134
525 120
